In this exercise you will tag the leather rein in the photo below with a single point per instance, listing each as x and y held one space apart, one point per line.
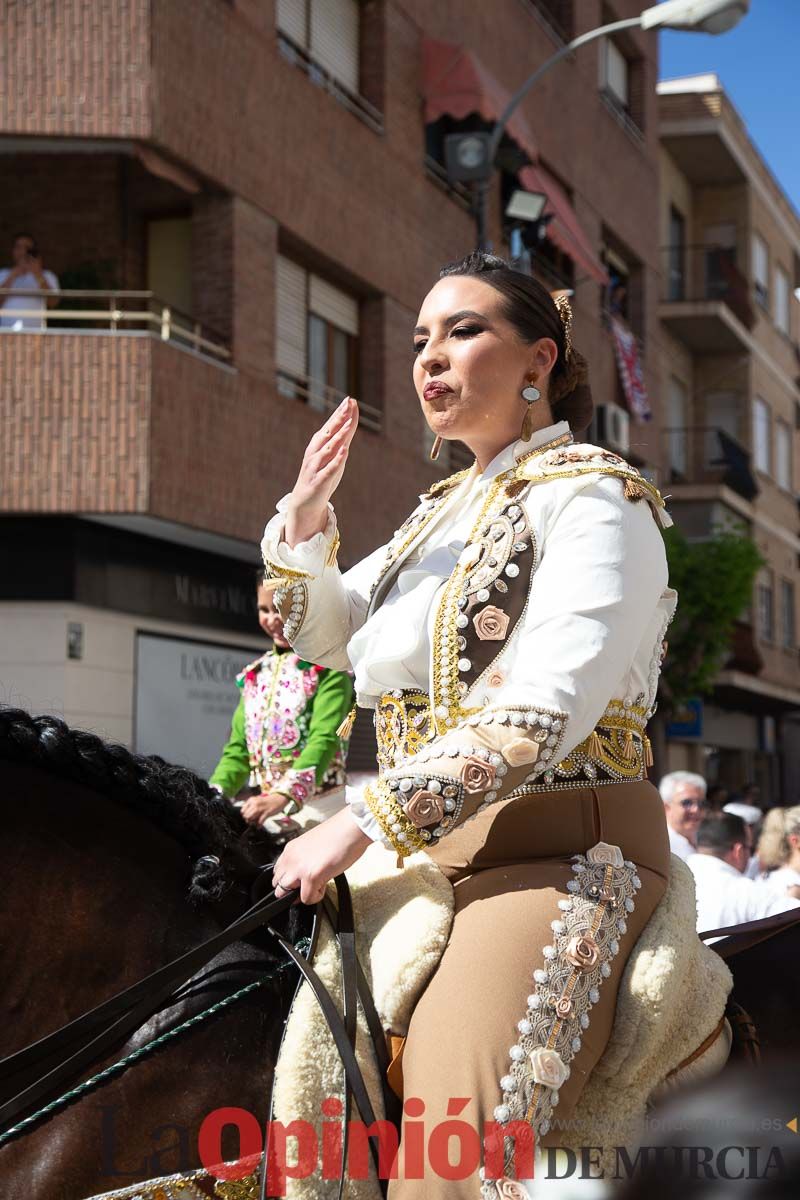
88 1037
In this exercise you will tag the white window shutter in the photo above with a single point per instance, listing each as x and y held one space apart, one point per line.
333 305
782 299
290 17
334 37
290 349
615 71
760 261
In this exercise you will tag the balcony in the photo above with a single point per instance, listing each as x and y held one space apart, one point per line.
132 426
100 311
705 299
707 455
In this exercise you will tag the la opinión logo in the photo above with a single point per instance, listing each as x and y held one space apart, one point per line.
452 1149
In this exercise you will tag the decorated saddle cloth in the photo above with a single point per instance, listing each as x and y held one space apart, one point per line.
671 1002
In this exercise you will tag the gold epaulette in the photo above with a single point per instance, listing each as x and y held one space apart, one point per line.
444 485
573 461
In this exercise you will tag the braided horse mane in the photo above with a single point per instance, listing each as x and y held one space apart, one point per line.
173 798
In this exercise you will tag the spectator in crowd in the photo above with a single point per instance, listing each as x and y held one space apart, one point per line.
750 793
752 816
25 275
717 797
684 797
724 896
779 850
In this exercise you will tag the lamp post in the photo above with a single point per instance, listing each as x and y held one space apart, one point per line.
693 16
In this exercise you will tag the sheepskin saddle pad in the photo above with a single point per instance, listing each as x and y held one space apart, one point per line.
670 1009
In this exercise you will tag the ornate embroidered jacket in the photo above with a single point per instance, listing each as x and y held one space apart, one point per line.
283 732
542 641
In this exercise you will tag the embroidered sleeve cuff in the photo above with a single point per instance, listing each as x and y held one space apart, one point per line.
299 786
461 773
306 560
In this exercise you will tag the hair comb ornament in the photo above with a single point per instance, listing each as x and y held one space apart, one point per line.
564 308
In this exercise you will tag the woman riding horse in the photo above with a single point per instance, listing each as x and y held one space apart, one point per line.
509 639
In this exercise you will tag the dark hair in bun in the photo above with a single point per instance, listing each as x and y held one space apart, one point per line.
530 308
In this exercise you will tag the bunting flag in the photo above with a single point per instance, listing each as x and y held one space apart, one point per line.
630 370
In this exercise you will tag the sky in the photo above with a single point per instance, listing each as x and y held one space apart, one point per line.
758 63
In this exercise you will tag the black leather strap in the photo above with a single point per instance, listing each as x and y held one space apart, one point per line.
346 934
346 1052
391 1104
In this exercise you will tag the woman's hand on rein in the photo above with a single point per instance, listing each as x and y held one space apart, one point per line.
310 861
320 474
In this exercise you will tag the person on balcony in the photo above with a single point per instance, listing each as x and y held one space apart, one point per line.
26 275
284 740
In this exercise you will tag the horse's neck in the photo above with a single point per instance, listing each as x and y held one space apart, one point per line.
94 897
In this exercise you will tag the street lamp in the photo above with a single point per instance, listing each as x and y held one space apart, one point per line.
693 16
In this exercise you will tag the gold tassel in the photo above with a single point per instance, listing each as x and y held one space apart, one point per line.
346 727
527 424
334 550
628 748
435 448
648 752
633 490
595 747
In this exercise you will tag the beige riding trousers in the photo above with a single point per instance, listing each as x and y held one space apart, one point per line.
546 914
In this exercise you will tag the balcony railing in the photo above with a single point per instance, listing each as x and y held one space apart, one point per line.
114 312
325 399
696 273
706 454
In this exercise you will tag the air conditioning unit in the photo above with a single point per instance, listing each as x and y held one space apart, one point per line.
613 427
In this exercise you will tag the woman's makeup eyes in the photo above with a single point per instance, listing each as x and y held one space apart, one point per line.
461 331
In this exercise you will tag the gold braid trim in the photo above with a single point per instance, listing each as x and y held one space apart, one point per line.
444 485
636 486
382 803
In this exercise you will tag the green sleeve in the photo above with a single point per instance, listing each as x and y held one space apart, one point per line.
329 706
233 769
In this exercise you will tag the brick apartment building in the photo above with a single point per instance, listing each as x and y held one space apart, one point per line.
730 344
248 202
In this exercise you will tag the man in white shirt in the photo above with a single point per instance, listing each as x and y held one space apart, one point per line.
26 275
724 896
753 817
684 796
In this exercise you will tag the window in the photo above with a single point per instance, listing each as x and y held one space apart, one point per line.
676 266
783 455
761 270
781 299
623 295
765 602
678 401
557 14
614 73
788 635
328 31
761 435
316 337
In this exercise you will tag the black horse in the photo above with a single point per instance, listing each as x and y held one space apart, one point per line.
112 866
115 864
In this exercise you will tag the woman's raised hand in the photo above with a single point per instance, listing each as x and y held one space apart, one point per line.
320 474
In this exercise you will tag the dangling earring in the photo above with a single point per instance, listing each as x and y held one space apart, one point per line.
435 448
530 395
